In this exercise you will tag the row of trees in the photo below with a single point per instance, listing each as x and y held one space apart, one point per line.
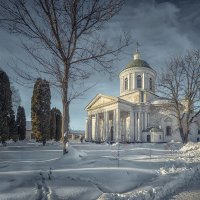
10 128
46 122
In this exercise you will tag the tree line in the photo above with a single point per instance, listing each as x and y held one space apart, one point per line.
46 122
11 127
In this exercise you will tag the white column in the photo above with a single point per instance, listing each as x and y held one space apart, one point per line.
134 136
94 127
117 119
129 83
86 129
104 125
114 124
131 126
143 121
146 123
107 125
90 128
121 85
97 127
139 126
133 81
136 125
143 81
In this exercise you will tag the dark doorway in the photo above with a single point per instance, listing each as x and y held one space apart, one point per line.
111 133
148 138
197 139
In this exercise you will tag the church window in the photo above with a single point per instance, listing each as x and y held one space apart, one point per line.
126 84
150 84
168 130
142 97
139 81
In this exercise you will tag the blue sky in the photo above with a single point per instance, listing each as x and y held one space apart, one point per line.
163 28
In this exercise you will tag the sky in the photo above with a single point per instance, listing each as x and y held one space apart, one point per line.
163 28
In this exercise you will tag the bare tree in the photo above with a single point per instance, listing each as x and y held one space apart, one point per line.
180 83
64 38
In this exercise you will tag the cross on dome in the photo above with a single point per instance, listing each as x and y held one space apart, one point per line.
137 45
136 55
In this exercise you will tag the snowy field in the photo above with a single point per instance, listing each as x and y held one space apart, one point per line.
90 171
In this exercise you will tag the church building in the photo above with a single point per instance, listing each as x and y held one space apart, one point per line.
137 115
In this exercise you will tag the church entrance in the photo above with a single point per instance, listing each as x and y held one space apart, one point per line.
111 134
148 138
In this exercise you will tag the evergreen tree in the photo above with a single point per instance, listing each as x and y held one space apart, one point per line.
21 123
5 106
40 110
12 127
52 123
55 124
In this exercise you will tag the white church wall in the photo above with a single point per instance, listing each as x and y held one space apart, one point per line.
193 133
155 136
131 74
144 136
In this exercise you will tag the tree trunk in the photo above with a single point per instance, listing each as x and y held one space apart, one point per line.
65 121
181 133
186 137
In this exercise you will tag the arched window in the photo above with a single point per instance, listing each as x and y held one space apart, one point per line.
168 130
126 83
150 84
139 81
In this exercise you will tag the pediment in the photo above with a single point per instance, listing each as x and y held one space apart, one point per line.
101 100
168 119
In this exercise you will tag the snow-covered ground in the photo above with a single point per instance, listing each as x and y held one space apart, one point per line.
90 171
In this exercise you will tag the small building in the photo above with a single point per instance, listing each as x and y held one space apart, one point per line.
76 134
153 134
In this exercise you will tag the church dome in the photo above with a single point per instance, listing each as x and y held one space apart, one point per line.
138 63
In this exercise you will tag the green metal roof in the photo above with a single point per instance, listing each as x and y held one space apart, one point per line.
138 63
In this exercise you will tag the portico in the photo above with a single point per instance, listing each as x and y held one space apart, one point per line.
113 119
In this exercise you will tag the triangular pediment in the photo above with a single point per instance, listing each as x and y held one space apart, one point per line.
168 119
101 100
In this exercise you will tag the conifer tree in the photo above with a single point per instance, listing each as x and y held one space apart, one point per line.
21 123
40 110
55 124
5 106
12 127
